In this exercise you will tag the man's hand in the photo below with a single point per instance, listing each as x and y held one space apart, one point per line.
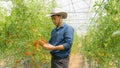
48 47
42 41
45 45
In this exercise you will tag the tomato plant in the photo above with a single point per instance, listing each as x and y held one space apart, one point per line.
21 30
102 42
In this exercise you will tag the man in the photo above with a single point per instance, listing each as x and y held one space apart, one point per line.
61 40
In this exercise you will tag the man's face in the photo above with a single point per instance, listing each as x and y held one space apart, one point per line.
56 19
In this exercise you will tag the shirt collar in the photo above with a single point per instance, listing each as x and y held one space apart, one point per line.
61 26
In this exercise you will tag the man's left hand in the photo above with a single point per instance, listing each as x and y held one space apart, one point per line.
48 47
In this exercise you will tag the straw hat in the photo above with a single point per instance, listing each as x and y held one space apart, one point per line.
58 11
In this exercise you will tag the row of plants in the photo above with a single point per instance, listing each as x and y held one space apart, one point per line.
101 45
21 31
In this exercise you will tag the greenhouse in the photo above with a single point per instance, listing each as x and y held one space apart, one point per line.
36 33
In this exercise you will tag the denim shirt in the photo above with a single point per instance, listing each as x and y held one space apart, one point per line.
62 36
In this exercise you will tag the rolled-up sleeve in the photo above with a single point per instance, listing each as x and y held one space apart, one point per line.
69 35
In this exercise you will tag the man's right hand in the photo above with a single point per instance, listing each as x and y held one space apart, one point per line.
42 41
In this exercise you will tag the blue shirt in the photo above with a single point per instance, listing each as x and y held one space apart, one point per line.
62 36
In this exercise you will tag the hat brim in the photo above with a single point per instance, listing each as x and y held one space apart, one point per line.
63 14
